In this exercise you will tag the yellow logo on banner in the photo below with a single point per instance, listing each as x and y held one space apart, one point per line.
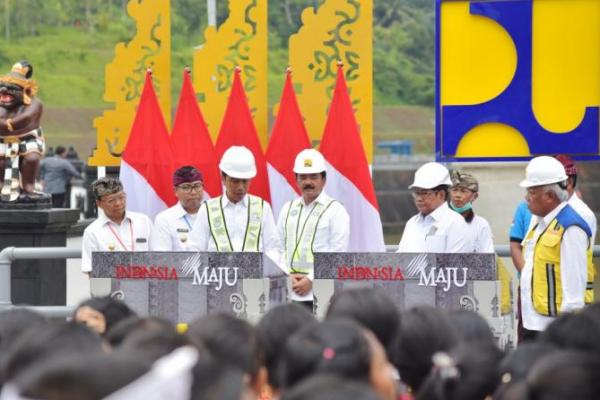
483 45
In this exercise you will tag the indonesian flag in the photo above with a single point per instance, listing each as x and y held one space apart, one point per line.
237 129
288 138
348 176
191 140
147 161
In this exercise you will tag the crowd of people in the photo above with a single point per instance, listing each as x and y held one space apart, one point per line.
364 349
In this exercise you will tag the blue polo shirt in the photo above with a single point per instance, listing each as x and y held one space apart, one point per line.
520 223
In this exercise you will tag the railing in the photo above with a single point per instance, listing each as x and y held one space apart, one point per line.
10 254
502 250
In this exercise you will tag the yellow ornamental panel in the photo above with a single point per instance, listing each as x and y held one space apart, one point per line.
340 30
151 47
240 41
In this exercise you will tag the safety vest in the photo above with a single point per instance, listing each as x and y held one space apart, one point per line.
218 225
299 239
546 283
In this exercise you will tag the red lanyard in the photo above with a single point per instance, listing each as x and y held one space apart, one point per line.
116 235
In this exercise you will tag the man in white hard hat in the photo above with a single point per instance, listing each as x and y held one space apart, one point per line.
312 223
436 228
557 276
235 221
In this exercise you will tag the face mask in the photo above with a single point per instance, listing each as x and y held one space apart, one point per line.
462 209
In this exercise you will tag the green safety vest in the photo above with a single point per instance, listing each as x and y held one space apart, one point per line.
299 240
218 225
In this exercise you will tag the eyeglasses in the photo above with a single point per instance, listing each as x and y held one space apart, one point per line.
190 188
423 193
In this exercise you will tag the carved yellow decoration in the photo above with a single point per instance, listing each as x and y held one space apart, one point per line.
240 41
151 47
341 29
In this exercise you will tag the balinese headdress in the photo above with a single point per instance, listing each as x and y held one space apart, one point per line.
20 75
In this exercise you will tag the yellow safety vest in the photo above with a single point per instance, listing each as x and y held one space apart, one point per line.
546 283
299 240
218 225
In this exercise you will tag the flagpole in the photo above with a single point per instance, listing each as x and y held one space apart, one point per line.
212 12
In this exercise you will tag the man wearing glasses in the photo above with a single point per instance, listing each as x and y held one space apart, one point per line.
172 226
115 229
436 228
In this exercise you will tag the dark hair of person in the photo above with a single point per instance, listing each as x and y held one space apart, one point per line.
574 331
154 344
471 327
371 308
215 379
516 365
424 331
60 150
134 324
57 338
442 188
467 372
14 323
113 310
567 374
229 339
274 329
81 376
330 387
336 347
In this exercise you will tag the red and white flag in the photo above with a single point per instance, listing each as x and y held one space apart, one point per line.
237 129
147 161
191 141
348 176
288 138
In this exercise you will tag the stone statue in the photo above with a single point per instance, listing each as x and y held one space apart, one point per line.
21 141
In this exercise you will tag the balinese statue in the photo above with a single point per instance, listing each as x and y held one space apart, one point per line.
21 141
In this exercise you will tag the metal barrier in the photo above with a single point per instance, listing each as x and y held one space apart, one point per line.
502 250
9 254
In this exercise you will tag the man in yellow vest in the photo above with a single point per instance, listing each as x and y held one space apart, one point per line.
236 221
558 273
312 223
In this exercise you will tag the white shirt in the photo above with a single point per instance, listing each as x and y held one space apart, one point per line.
332 235
236 219
573 271
133 234
441 231
481 235
172 228
586 213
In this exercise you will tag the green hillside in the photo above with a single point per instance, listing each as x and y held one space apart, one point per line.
69 42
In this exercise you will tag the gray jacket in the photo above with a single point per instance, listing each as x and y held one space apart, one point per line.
56 171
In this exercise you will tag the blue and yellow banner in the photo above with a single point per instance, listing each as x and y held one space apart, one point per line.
517 78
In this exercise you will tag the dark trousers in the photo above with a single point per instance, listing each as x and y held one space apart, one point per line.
308 304
58 200
528 336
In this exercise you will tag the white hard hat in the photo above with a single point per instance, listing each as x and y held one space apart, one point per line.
238 162
543 170
431 175
309 161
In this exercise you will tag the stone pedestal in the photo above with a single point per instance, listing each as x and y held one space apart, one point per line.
37 282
